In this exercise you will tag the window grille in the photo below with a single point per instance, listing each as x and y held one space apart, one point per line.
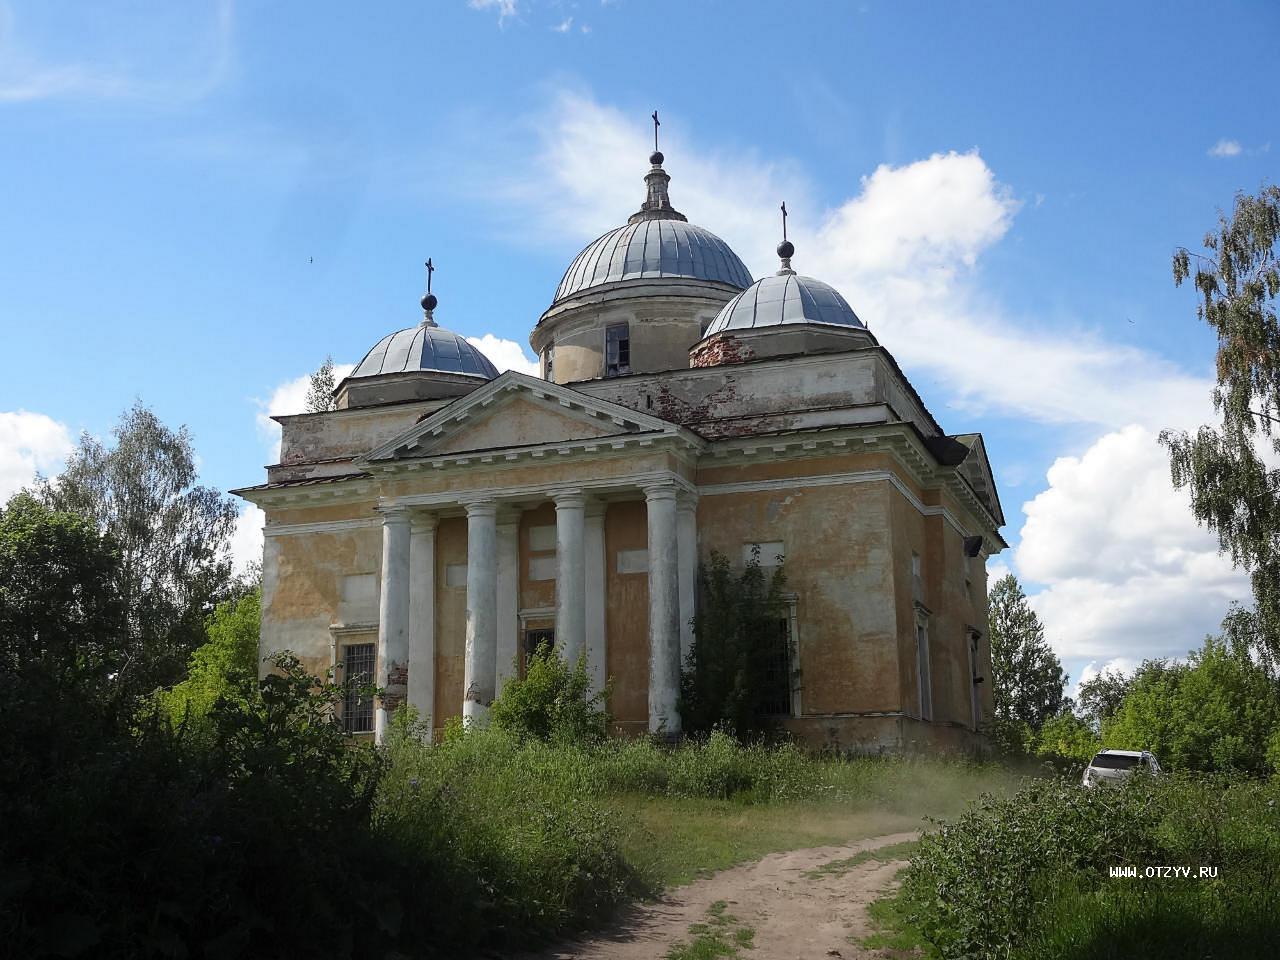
533 639
358 663
776 695
617 350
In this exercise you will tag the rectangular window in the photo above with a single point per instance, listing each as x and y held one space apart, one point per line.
778 671
925 690
549 361
617 350
772 553
357 667
533 640
975 703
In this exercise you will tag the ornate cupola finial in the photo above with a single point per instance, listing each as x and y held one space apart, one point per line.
657 202
429 301
786 249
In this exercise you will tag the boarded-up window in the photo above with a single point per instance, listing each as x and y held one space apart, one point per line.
542 568
358 598
771 552
455 575
542 538
633 561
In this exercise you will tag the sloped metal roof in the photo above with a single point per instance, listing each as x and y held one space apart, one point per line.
654 248
784 298
425 348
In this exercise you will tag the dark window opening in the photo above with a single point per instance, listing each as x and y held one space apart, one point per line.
358 666
776 695
550 357
617 350
533 641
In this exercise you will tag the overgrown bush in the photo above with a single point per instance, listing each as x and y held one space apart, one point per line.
1028 875
552 701
731 673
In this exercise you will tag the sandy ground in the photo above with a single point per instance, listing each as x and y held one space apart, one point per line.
794 917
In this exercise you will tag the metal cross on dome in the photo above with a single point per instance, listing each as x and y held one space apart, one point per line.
784 221
430 270
656 124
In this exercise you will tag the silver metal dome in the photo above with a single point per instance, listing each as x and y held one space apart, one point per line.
425 347
785 297
654 248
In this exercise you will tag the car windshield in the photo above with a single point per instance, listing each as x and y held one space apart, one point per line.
1115 761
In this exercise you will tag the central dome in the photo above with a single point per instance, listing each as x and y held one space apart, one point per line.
654 248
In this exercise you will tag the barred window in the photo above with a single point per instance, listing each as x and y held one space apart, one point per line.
776 695
358 660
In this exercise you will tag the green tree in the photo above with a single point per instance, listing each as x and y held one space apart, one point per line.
1233 491
172 535
320 392
62 620
225 665
1100 697
1065 735
731 673
1217 711
1027 680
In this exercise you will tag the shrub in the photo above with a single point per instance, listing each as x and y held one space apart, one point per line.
552 701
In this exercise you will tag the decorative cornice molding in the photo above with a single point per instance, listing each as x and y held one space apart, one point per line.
320 526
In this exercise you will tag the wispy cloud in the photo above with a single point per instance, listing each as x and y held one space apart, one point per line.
1226 148
504 8
26 77
564 26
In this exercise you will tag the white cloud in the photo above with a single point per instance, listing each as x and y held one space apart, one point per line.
564 26
1128 571
30 443
1120 665
1226 148
505 354
246 539
903 248
504 8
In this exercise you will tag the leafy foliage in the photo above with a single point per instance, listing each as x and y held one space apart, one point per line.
320 391
224 666
727 680
1007 877
1066 736
1028 683
552 701
1100 697
171 533
1217 711
62 619
1233 491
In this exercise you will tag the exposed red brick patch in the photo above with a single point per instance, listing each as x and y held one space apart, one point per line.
719 351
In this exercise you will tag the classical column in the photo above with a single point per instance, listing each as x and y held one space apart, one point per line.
508 596
687 537
664 609
393 617
482 602
422 618
571 582
593 558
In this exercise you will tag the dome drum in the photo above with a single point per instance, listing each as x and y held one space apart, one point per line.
424 362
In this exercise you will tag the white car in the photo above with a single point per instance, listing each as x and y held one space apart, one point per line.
1112 766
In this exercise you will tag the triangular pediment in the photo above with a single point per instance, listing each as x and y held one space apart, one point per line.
976 469
517 411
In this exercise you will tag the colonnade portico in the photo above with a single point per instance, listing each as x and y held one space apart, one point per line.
407 602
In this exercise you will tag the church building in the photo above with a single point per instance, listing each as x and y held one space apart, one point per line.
445 519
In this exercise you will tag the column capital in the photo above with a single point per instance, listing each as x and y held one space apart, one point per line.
660 491
569 498
394 513
423 522
686 501
480 508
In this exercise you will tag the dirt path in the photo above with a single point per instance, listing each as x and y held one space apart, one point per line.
794 917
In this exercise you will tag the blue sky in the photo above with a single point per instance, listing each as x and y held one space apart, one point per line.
203 200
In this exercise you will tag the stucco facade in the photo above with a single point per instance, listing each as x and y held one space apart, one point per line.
447 524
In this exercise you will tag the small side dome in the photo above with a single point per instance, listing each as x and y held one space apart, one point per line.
425 348
785 298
